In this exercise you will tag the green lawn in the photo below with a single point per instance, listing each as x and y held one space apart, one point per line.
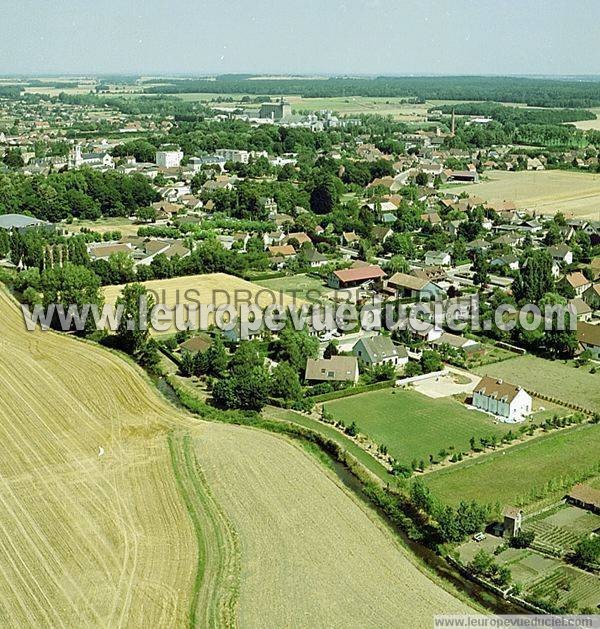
412 425
553 378
518 474
302 286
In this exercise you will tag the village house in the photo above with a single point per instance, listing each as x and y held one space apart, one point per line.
561 253
591 296
314 258
582 311
195 344
334 369
455 341
577 281
438 258
509 261
379 350
103 251
404 285
512 521
588 336
505 400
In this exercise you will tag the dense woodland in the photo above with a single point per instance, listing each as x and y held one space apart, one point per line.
534 92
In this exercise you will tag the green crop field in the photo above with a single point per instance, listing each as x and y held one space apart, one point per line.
519 474
553 378
412 425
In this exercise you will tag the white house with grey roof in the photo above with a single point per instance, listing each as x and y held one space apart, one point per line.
507 401
379 350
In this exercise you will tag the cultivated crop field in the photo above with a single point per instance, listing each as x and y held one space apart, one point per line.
514 475
412 425
213 288
117 509
552 378
575 194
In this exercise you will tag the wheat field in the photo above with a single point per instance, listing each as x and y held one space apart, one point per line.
217 289
116 509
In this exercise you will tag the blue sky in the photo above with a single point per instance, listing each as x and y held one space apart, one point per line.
307 36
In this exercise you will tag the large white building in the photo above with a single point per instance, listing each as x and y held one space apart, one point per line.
169 159
507 401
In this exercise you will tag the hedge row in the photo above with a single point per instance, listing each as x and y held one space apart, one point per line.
363 388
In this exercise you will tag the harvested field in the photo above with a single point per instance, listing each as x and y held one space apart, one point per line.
86 539
289 521
575 194
213 288
117 509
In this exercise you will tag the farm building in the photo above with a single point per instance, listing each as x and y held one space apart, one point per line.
379 350
585 497
500 398
513 519
347 278
334 369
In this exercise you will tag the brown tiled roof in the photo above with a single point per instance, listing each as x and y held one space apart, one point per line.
403 280
511 512
588 333
371 272
577 279
282 250
490 387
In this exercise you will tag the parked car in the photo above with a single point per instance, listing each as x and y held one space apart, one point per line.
479 537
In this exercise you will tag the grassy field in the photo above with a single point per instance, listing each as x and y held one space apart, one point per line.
574 194
552 378
103 225
510 475
214 288
412 425
299 286
117 509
